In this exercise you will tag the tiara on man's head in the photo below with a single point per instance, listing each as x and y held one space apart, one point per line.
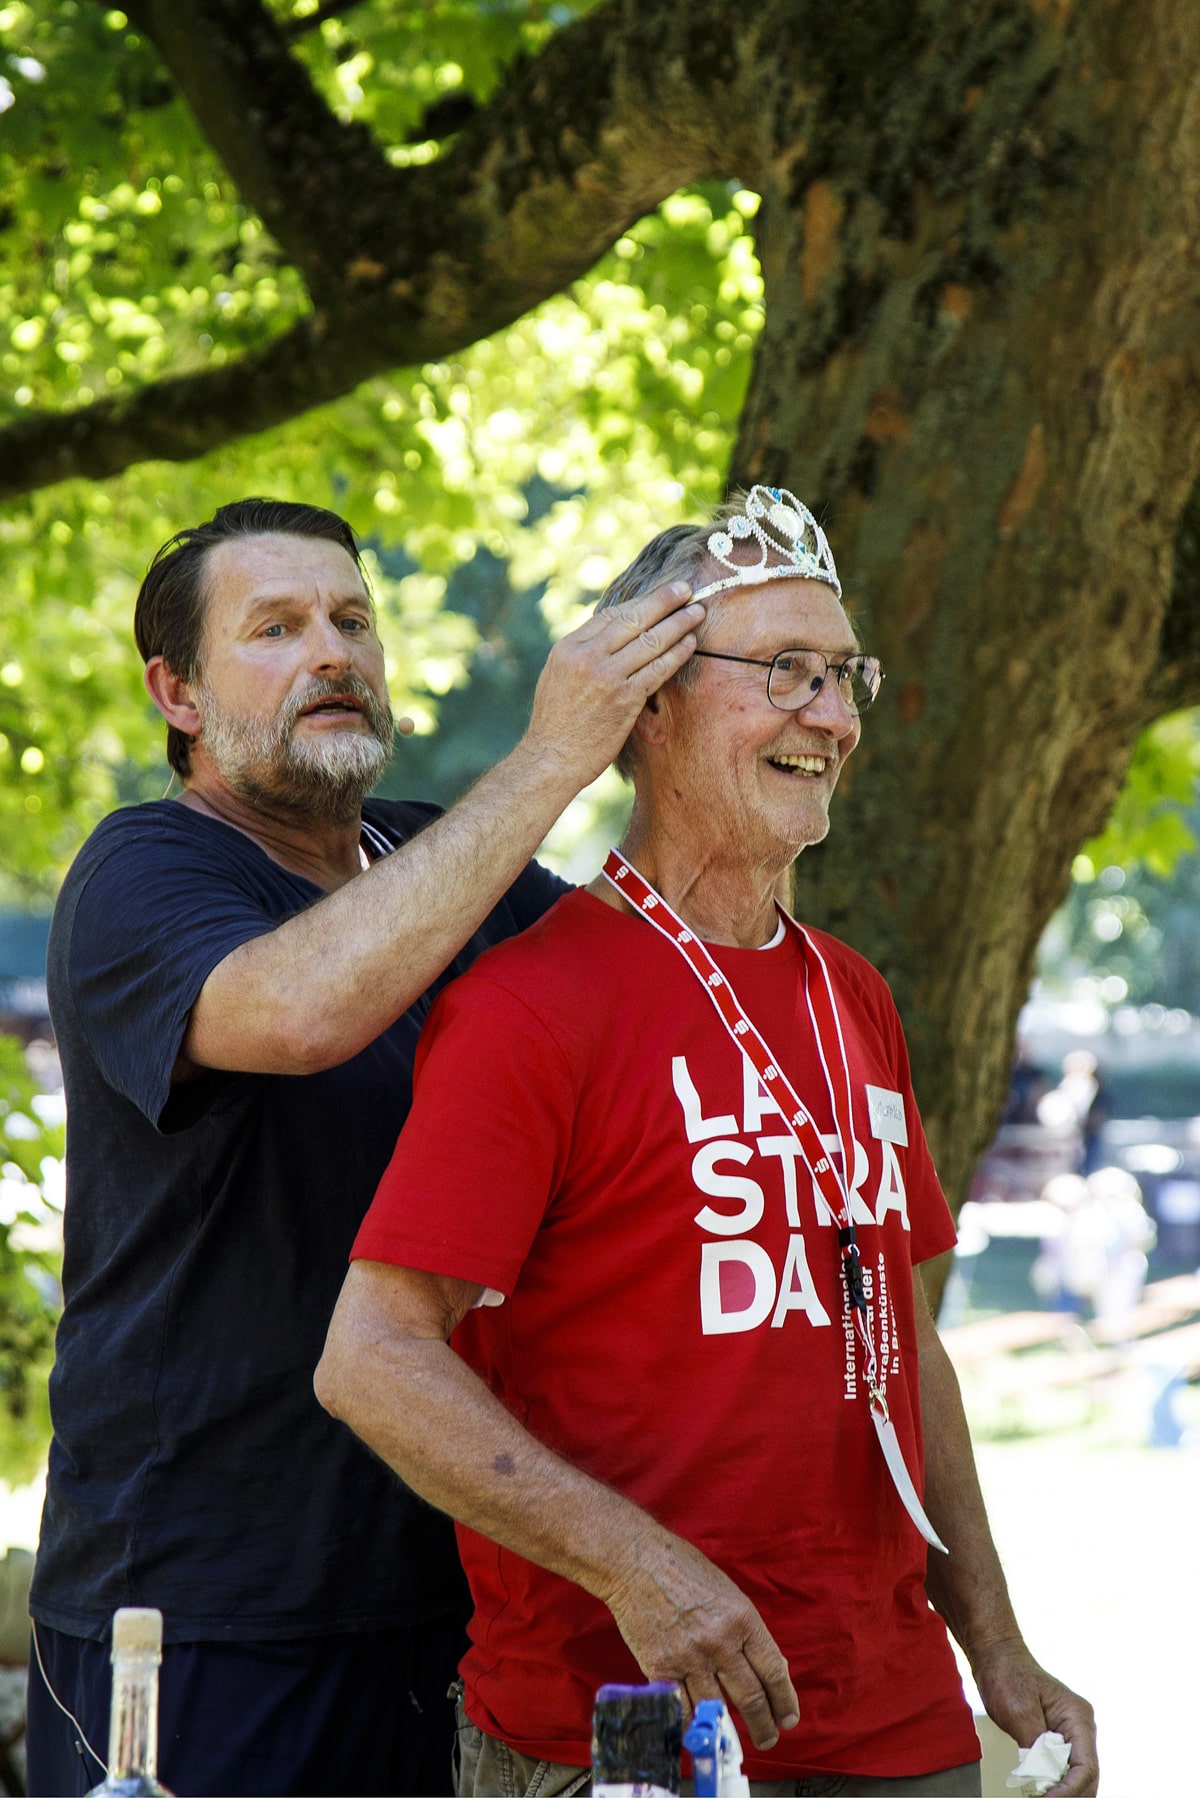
777 525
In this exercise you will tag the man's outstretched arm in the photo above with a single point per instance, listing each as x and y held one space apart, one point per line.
320 987
968 1586
390 1374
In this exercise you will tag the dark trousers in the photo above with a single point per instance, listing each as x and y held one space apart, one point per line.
362 1714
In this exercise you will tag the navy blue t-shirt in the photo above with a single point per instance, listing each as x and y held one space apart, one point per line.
207 1233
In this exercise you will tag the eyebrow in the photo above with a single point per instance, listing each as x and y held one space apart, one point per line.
286 596
762 648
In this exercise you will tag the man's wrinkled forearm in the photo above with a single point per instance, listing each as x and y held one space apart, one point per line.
319 988
401 1388
399 1394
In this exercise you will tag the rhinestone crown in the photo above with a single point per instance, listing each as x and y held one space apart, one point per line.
774 524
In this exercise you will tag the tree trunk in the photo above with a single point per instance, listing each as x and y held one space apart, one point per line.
979 365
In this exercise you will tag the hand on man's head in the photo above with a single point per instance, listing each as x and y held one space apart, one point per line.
597 679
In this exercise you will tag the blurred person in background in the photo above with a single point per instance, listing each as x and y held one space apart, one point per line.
237 981
1028 1086
1096 1263
1081 1102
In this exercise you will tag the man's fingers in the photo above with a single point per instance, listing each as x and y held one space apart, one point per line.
737 1681
760 1687
1082 1776
697 1688
766 1659
746 1693
614 626
632 617
628 660
1076 1721
648 667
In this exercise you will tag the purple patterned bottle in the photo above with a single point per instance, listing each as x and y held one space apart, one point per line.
637 1733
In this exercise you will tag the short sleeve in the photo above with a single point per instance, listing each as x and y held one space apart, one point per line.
534 892
484 1147
149 924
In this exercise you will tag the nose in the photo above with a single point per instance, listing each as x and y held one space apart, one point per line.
328 646
829 711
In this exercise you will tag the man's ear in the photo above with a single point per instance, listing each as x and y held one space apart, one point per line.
653 722
172 696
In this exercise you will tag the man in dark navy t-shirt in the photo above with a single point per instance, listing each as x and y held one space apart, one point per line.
237 981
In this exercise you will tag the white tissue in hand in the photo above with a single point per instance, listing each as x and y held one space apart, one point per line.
1042 1766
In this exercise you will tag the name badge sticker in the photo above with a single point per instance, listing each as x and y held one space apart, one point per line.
886 1110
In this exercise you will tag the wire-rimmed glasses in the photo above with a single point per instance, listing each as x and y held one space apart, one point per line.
797 677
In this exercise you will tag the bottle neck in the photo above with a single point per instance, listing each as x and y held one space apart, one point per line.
133 1721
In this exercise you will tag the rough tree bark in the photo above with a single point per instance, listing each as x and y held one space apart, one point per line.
979 243
980 358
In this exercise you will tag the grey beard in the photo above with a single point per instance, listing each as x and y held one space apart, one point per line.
263 763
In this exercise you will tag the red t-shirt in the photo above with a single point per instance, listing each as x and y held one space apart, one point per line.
586 1138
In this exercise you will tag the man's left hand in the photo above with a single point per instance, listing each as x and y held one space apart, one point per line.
1024 1700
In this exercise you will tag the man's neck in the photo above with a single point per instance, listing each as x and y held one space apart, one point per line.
324 851
722 902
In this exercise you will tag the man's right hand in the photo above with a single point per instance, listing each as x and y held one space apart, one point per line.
597 679
685 1621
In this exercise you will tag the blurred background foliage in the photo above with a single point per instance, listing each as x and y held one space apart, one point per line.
31 1198
1129 933
553 447
496 493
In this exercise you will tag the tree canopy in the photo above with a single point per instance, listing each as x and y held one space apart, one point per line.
535 279
131 259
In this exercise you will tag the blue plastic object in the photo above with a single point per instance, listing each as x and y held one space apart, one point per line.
712 1743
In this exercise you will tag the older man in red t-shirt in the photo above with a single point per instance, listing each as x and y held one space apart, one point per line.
665 1187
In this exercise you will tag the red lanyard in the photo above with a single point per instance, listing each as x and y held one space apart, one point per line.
833 1187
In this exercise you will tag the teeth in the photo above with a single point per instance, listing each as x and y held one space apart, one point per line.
808 765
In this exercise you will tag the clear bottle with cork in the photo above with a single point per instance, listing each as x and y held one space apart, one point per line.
133 1721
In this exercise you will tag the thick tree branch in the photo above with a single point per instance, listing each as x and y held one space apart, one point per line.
409 265
308 176
181 417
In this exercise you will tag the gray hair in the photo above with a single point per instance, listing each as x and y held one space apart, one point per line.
678 554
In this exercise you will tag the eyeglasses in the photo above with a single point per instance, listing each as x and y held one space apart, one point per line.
797 677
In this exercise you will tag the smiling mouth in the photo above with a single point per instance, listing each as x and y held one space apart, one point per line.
794 764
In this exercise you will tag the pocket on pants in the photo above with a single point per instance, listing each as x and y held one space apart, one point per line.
468 1748
485 1765
547 1778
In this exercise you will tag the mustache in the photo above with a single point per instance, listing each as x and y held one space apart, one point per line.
377 712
